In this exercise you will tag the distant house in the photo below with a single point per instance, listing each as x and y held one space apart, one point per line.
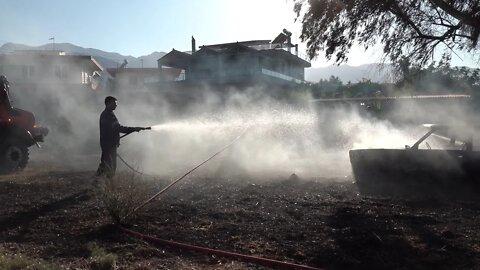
125 78
54 86
240 62
33 68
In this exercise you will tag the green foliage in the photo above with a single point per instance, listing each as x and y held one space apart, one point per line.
439 78
326 88
101 259
409 29
334 88
364 88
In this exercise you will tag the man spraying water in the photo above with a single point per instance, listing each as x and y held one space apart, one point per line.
110 130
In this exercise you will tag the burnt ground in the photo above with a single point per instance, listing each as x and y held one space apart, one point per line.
56 217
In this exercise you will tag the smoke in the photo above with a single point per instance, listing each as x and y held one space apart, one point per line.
280 138
282 135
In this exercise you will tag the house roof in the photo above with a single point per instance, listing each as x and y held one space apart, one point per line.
287 55
276 53
226 48
245 43
97 64
182 60
38 52
34 55
175 59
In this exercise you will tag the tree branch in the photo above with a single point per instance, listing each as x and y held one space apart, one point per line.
468 19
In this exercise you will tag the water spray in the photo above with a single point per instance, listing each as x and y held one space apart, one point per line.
186 174
156 127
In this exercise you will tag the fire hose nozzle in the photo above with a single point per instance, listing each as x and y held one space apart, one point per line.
142 128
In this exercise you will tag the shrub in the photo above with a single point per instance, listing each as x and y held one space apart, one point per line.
101 259
121 194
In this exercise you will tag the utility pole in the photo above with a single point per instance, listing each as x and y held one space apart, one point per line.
53 42
141 60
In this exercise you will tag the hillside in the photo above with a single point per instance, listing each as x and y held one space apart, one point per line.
106 59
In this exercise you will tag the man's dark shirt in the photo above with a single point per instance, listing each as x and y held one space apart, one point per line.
4 98
110 129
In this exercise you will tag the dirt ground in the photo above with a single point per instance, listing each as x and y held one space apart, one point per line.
56 218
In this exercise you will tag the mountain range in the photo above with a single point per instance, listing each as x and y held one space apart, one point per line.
345 73
106 59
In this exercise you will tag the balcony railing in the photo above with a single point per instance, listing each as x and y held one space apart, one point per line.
280 75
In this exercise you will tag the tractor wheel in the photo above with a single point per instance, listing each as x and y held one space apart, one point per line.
13 156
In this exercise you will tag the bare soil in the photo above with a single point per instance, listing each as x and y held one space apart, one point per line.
56 217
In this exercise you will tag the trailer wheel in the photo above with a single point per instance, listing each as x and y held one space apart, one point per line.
13 156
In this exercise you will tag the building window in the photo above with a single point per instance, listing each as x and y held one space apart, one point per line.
85 78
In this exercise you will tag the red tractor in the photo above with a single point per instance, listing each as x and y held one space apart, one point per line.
17 132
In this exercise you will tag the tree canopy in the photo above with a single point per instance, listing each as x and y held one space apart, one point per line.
440 78
410 29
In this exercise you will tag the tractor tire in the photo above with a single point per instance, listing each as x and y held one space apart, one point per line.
13 156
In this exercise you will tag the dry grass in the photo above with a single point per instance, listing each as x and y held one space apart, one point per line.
121 194
19 261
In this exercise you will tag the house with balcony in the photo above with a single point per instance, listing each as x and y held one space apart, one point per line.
36 68
47 82
140 78
274 61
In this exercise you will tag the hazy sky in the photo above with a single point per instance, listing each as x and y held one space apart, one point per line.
141 27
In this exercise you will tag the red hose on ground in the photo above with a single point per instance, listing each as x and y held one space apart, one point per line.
258 260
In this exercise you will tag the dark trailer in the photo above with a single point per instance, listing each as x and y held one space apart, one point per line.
452 172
